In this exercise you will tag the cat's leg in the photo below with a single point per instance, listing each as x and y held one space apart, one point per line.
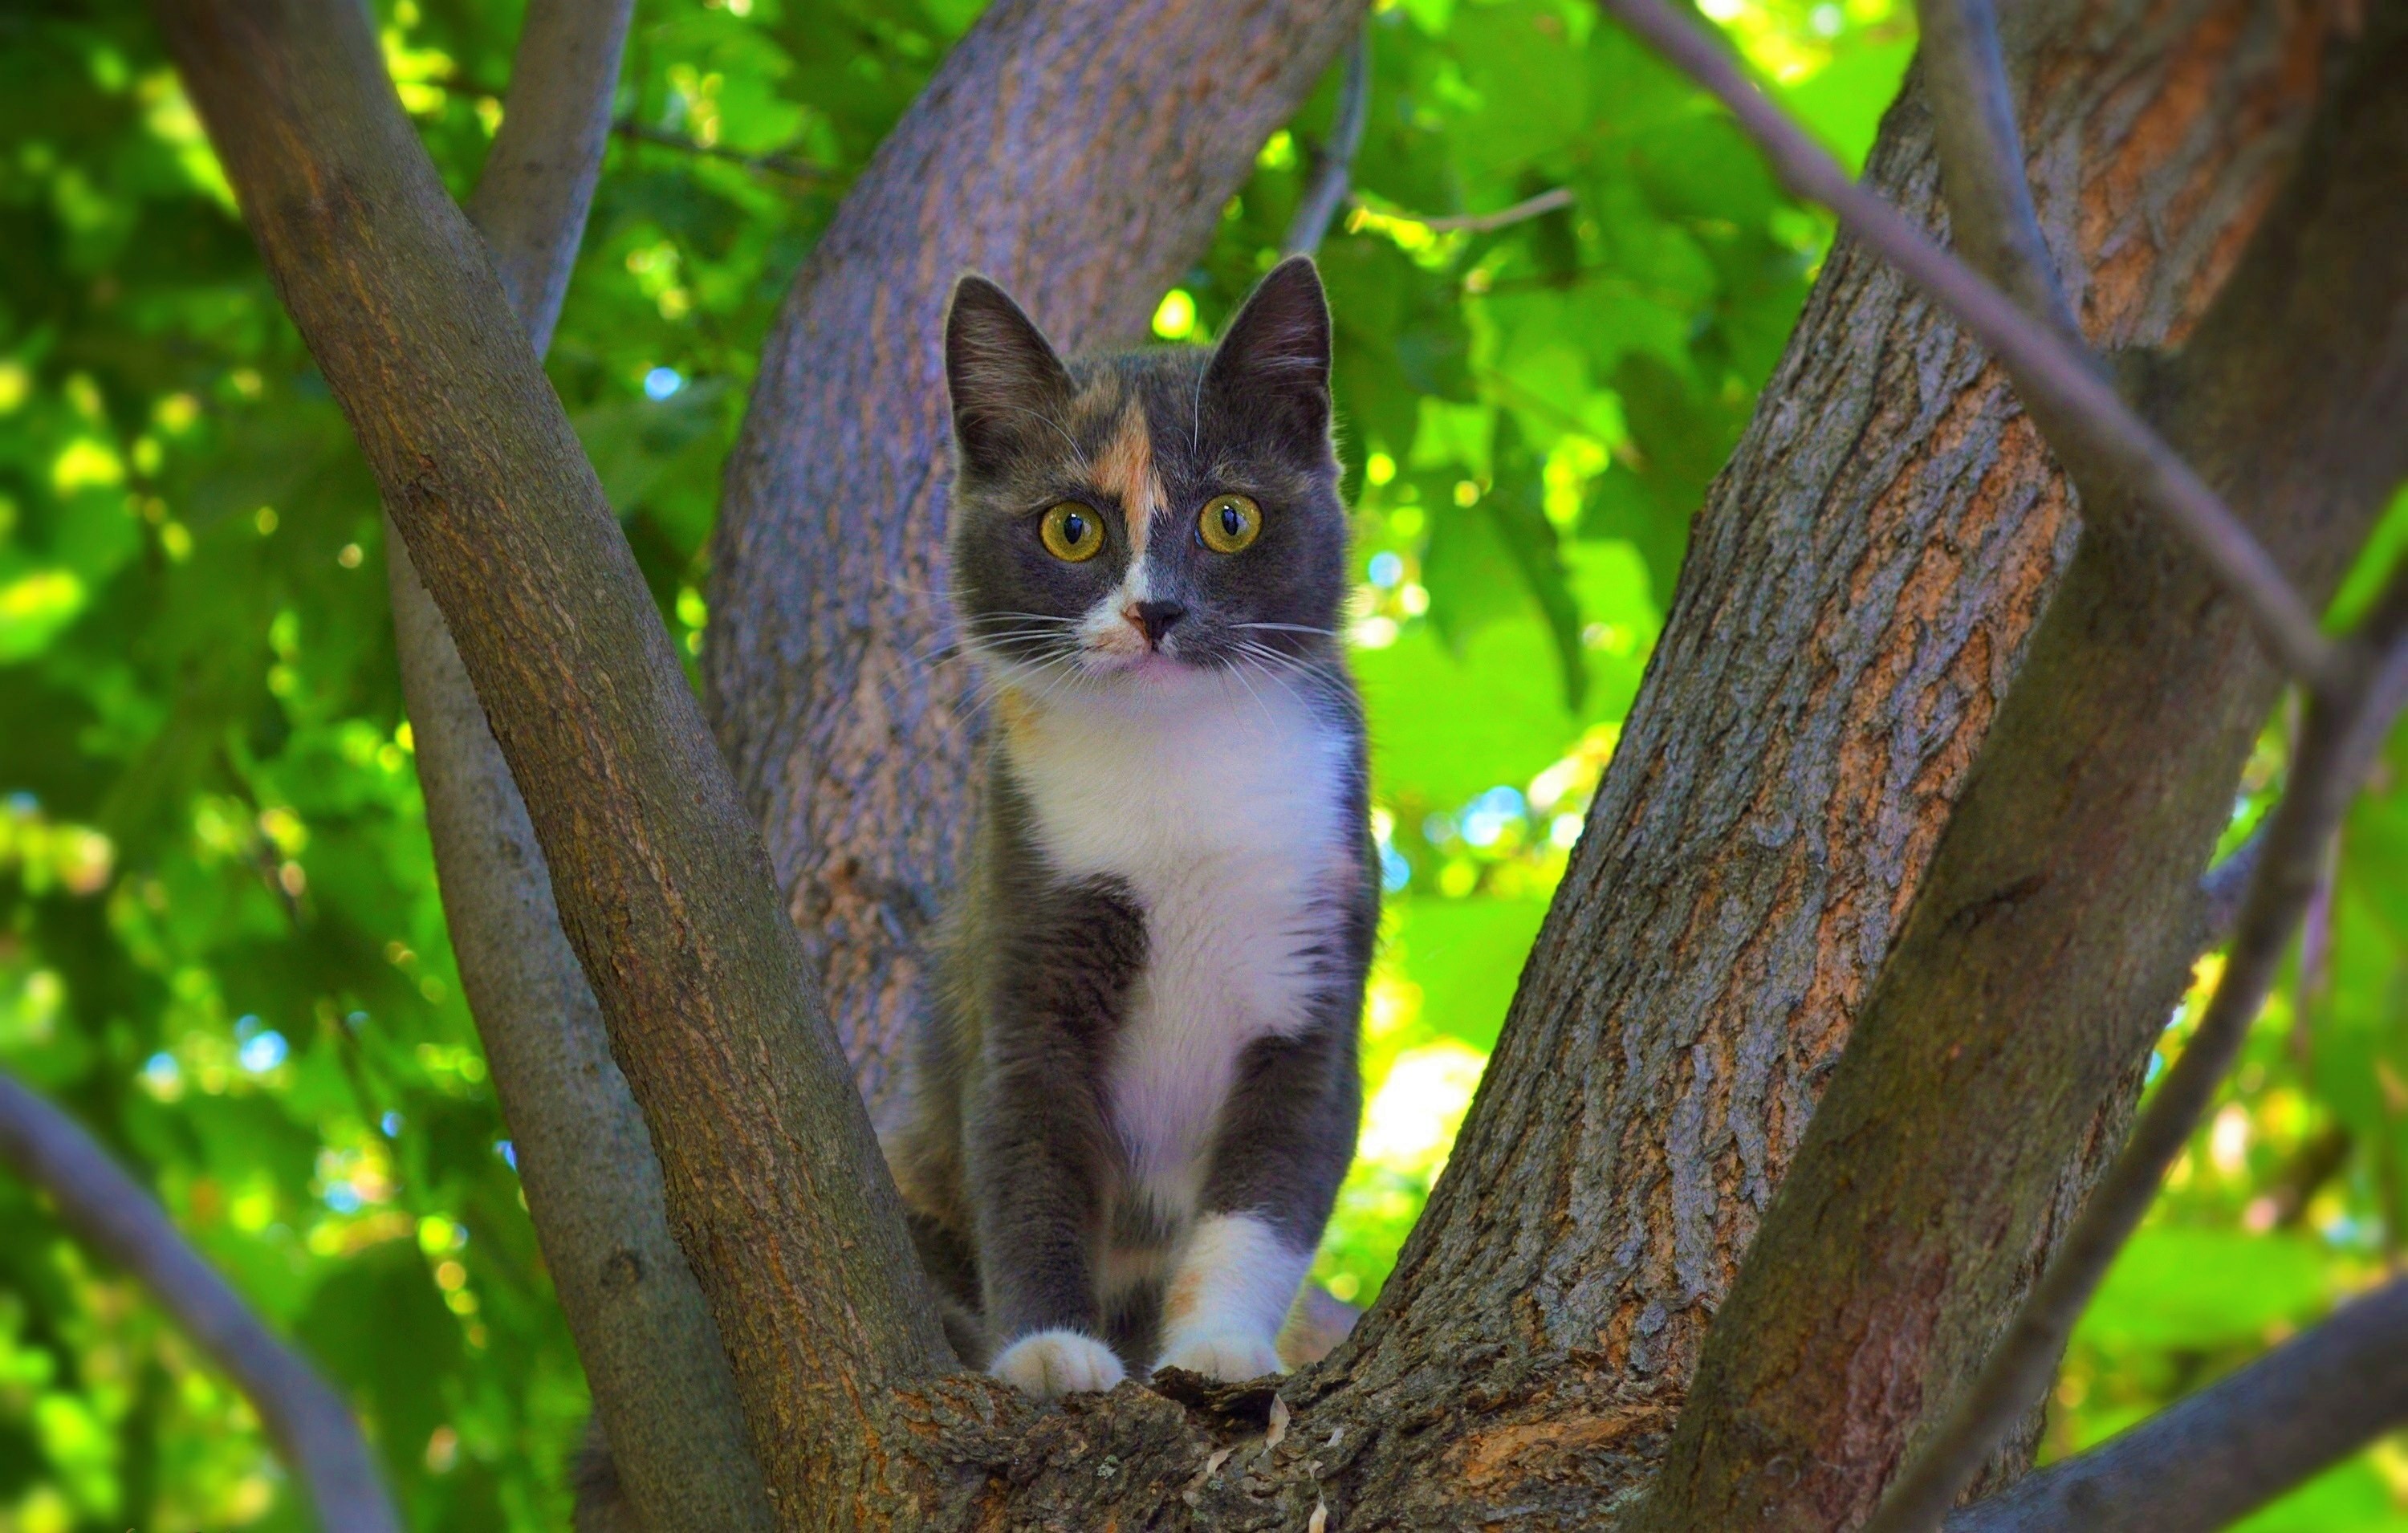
1037 1143
1285 1139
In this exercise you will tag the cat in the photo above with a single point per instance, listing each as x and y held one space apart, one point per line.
1136 1091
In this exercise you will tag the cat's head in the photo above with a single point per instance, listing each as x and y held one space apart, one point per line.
1129 521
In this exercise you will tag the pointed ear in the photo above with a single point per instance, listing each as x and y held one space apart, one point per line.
1005 382
1272 365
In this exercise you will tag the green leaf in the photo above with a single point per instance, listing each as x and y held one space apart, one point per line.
2206 1288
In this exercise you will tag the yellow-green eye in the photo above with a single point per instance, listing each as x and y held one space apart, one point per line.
1231 522
1072 531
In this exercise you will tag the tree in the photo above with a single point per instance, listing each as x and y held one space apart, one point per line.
1909 748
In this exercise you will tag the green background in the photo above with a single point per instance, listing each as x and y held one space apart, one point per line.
219 943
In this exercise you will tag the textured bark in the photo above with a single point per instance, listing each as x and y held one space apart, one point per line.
652 1356
1862 587
773 1181
2055 929
1080 153
1859 589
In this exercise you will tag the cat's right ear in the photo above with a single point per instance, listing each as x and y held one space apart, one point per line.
1008 386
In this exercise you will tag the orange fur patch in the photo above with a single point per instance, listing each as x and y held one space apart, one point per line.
1125 469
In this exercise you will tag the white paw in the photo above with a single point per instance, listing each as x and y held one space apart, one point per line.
1230 1356
1048 1364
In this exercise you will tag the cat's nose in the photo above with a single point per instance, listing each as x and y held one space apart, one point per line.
1154 619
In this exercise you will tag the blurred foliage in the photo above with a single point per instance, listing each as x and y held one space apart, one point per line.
220 944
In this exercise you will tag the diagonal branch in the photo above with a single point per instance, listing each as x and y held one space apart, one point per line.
2341 738
2233 1446
2046 370
1334 166
652 1358
773 1180
1990 213
313 1427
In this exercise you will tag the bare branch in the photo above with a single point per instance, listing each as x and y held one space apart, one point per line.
2339 744
311 1426
1480 223
1990 211
2225 887
773 1180
2045 368
775 164
652 1356
2206 1462
1334 167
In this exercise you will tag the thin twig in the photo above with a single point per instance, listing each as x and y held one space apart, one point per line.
775 164
2045 369
1334 171
2339 744
1990 213
311 1426
2235 1445
1480 223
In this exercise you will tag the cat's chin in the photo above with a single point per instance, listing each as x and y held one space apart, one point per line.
1154 668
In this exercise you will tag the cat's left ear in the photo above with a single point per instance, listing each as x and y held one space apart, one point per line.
1272 365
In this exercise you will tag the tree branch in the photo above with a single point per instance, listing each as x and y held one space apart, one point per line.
311 1426
1990 212
653 1357
2207 1462
1989 1073
773 1181
776 164
1334 166
2225 888
1529 207
2340 741
2046 370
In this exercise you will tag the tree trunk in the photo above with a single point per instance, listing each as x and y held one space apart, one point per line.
2003 1044
1859 592
1862 586
834 696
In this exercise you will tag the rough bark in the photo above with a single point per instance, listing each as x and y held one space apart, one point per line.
1859 589
1861 585
310 1424
653 1357
773 1180
2054 930
1080 153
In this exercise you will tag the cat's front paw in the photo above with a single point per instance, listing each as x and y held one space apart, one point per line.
1050 1364
1230 1356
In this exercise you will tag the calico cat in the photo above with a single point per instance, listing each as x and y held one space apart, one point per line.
1137 1093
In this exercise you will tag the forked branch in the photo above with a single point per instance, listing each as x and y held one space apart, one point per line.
2048 371
653 1357
311 1426
773 1180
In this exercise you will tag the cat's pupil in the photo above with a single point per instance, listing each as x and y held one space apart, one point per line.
1074 529
1231 522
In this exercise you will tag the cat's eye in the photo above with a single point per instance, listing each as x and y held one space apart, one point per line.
1229 523
1071 532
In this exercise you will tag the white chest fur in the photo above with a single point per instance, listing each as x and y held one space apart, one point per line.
1224 810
